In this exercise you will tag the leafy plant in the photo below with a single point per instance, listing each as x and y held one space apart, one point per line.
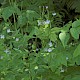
35 42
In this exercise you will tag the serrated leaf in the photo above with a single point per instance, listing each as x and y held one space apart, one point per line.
16 9
53 37
22 20
7 12
64 37
61 58
34 30
77 51
31 14
74 33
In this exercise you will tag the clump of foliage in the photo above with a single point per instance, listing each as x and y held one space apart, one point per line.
37 42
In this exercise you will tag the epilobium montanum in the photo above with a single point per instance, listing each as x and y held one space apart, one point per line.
2 36
17 39
54 14
50 44
8 31
7 51
58 45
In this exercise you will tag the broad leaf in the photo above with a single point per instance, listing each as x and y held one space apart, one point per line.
53 37
74 33
22 20
64 37
7 12
77 51
55 29
31 15
67 26
76 23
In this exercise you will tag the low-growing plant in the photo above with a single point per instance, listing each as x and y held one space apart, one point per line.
34 47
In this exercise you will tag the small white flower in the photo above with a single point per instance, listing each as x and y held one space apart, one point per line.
67 58
36 67
26 69
7 51
50 44
53 14
2 36
46 7
39 23
37 49
49 50
8 31
17 39
62 70
47 22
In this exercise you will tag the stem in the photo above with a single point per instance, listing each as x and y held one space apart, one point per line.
14 21
47 13
9 2
43 12
30 73
40 11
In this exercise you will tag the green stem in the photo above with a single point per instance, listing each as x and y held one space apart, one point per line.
43 12
40 11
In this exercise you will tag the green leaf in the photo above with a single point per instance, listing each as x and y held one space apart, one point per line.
22 20
7 12
77 60
1 1
32 15
76 77
74 32
77 51
53 37
55 29
16 9
76 24
67 26
78 29
34 30
61 59
64 37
